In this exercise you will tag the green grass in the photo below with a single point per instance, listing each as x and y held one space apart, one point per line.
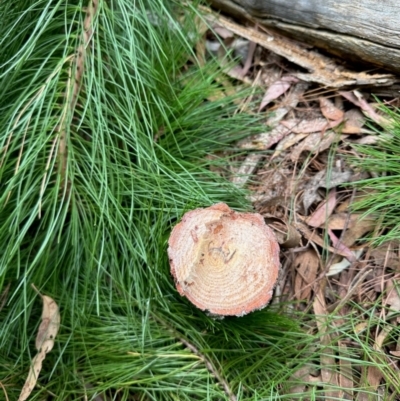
92 180
380 194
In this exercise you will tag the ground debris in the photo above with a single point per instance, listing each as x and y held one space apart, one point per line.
46 335
300 181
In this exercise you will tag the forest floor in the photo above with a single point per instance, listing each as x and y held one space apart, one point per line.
117 118
303 179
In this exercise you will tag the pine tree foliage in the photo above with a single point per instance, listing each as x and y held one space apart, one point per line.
105 135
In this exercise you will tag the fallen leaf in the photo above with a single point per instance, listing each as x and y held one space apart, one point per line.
249 58
392 297
49 326
34 371
375 375
354 233
367 140
287 142
266 139
387 255
291 101
346 380
277 89
321 180
299 376
322 213
327 357
246 169
329 110
356 98
354 121
313 236
337 244
306 264
286 234
341 221
337 268
299 126
315 143
44 343
222 32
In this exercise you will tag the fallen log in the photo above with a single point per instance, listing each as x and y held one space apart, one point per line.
365 31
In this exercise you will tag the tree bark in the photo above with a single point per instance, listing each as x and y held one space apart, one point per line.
366 31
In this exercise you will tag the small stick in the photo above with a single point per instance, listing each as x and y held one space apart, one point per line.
357 281
210 367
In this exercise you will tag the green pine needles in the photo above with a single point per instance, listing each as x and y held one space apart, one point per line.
107 125
381 193
104 136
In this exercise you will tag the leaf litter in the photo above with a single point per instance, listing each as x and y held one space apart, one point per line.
47 332
300 180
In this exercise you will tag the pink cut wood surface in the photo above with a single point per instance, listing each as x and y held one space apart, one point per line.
224 262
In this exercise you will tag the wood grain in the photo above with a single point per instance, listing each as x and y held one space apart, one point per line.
364 30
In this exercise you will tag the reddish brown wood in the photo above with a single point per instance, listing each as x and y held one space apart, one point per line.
224 262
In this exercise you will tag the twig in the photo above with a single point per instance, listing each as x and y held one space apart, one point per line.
4 390
210 367
252 160
77 66
358 279
3 297
322 69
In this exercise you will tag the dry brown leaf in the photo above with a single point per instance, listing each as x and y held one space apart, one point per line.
286 234
322 180
392 297
266 139
341 221
387 255
299 126
306 264
287 142
353 234
49 326
346 379
354 121
329 110
246 169
322 213
338 267
367 140
338 244
356 98
222 32
277 89
313 236
46 335
249 59
299 376
375 375
315 143
327 358
291 101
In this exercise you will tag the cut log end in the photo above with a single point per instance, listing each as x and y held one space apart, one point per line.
224 262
